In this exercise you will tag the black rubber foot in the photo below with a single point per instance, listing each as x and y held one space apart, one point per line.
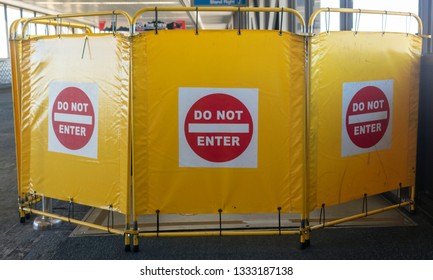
22 220
135 248
27 216
307 243
412 212
303 246
127 248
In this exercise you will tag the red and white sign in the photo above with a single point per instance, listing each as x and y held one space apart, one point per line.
367 108
218 127
73 119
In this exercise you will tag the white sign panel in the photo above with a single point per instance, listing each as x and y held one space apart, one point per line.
73 119
218 127
367 116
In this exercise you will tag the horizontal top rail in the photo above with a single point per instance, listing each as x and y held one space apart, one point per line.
64 24
16 23
361 11
14 27
218 9
77 15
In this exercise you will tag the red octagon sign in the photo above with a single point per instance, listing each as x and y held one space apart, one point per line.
218 127
367 117
73 118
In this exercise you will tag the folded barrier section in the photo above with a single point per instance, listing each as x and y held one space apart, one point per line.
72 118
218 121
363 100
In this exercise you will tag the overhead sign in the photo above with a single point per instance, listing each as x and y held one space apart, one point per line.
152 25
219 2
73 119
367 116
218 127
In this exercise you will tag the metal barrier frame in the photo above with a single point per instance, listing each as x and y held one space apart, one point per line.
15 43
217 232
411 201
361 11
25 201
217 9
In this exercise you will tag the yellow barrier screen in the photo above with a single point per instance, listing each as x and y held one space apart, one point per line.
218 121
363 114
16 50
75 119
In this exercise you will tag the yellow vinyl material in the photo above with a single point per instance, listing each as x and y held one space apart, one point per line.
342 64
172 65
96 173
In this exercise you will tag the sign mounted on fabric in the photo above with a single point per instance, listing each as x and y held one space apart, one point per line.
367 117
73 119
218 127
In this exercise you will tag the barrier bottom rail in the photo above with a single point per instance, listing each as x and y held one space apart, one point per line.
131 236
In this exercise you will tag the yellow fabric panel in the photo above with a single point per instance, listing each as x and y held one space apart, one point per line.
99 63
262 60
338 60
16 50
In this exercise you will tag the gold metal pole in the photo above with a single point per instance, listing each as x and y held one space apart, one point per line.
360 11
62 16
14 27
304 227
85 27
31 201
74 221
15 48
131 187
217 233
361 215
218 9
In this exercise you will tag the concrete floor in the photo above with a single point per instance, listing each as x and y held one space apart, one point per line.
410 240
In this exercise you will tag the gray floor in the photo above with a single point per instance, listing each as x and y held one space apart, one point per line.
412 239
